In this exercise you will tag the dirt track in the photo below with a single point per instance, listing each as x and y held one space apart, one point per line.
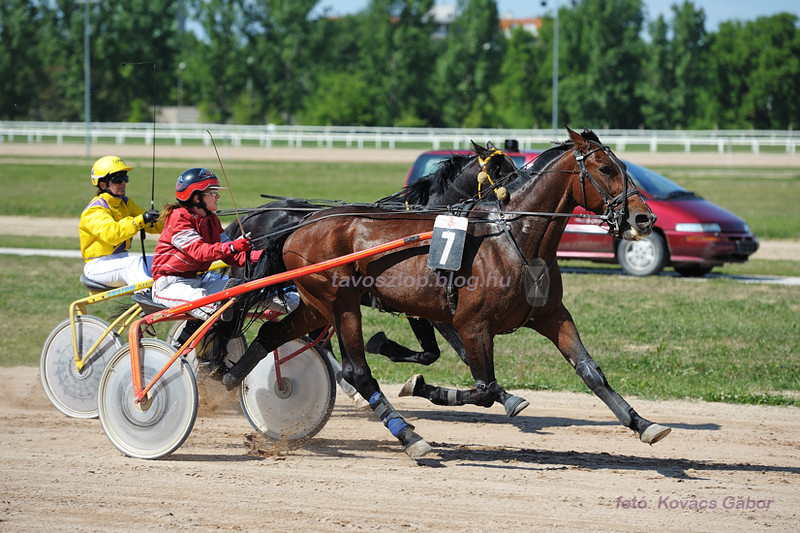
564 464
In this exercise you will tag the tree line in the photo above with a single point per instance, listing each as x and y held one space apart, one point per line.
288 62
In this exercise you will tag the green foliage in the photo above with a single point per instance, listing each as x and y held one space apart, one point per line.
520 79
19 62
470 63
602 63
285 61
342 99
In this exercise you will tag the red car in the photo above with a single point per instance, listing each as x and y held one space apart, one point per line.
691 234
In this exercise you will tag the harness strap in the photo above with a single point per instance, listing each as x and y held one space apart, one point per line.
613 217
507 230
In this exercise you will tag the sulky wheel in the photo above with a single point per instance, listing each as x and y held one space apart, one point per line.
74 392
161 423
304 405
209 358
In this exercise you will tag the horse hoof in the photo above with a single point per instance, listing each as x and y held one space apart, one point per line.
514 405
230 381
418 449
411 385
654 433
359 402
375 343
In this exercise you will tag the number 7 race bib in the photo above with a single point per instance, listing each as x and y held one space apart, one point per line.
447 242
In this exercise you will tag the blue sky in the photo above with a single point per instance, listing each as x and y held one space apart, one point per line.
716 10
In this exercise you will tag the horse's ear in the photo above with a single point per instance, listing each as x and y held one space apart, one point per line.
480 150
577 138
490 145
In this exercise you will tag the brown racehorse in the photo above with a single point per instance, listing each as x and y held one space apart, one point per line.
454 181
507 249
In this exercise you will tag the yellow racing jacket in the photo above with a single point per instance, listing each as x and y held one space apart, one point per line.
109 223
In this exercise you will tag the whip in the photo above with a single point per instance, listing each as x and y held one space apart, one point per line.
227 184
153 178
235 211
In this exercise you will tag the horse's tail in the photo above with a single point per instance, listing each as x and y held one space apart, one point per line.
270 262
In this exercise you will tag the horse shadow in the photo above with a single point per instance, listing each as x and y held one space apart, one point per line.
505 457
532 424
542 460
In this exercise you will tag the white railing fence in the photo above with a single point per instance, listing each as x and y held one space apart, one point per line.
270 135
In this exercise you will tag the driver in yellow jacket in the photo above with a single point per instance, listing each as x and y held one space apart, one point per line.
108 224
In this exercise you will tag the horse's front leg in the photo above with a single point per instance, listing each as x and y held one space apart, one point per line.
560 329
416 386
347 320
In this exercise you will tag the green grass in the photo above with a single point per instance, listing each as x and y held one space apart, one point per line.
658 337
765 198
753 267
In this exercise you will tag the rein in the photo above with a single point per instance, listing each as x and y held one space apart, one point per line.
611 215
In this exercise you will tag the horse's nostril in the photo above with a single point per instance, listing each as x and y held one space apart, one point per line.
645 221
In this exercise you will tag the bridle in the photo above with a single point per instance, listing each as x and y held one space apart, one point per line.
614 217
484 161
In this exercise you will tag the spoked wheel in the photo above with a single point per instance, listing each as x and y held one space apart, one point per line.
74 392
299 410
161 423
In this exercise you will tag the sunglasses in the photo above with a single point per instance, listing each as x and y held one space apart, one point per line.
211 193
119 178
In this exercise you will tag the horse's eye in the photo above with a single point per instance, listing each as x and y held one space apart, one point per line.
607 169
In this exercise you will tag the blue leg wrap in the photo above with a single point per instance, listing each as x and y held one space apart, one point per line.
396 426
390 418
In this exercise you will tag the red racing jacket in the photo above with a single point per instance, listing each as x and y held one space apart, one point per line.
190 243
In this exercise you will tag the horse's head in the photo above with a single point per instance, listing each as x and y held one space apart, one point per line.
496 168
612 192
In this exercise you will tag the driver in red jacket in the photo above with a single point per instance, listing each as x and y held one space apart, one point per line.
191 240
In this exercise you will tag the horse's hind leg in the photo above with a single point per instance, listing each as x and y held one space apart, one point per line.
270 336
416 386
346 316
560 329
380 344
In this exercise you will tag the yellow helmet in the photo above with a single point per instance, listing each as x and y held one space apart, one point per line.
107 165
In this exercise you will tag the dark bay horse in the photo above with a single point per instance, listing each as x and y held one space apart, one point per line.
505 239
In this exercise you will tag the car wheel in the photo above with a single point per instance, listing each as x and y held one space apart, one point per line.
645 257
693 270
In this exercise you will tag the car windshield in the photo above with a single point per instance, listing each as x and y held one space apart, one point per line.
655 184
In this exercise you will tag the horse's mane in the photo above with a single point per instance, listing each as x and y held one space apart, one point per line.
437 182
547 157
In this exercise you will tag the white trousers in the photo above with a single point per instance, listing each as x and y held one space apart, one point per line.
174 290
118 270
